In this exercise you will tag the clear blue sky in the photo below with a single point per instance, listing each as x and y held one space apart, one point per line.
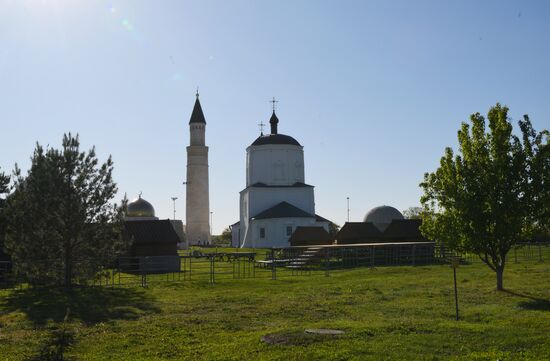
373 90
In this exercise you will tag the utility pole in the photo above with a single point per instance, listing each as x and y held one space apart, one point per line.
174 201
211 223
348 208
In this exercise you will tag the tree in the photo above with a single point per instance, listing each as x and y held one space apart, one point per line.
61 226
537 150
483 199
4 188
225 237
413 213
333 228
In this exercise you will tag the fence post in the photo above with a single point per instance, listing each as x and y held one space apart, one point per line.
516 254
327 262
540 253
273 268
211 269
413 253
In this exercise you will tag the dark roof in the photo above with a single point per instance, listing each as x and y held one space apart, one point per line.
318 218
309 236
297 184
398 230
197 116
151 231
275 139
404 228
358 231
283 210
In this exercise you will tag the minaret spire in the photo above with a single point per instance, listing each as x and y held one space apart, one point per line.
197 196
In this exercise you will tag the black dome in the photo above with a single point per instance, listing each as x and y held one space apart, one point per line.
275 139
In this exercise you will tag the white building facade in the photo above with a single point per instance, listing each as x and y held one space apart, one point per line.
276 199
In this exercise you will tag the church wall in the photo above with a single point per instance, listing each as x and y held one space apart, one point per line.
275 231
257 199
235 236
275 164
260 199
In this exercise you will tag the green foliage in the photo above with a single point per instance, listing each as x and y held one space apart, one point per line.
224 238
413 213
4 189
57 342
485 199
537 151
333 228
62 227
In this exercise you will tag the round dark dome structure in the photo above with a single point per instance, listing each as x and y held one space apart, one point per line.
382 216
140 208
275 139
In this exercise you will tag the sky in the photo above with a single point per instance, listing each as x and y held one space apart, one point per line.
373 90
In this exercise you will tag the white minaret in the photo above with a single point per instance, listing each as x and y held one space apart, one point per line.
197 200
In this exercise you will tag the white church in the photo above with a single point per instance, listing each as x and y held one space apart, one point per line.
276 199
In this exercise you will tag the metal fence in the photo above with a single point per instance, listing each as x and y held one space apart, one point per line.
209 265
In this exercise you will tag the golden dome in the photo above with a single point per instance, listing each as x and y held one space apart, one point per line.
140 208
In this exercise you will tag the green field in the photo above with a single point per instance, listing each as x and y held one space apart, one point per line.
394 313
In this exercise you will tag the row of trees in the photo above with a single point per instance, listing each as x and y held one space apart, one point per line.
494 193
59 224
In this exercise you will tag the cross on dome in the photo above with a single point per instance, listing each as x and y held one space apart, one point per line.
273 103
261 125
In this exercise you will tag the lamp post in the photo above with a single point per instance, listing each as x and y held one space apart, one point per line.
174 201
185 183
348 207
211 223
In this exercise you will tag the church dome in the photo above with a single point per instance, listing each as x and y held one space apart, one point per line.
275 139
140 208
382 216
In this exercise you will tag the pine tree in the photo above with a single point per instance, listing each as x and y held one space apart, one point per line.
4 189
61 225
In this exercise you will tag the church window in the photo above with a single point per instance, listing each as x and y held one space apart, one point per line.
289 231
262 232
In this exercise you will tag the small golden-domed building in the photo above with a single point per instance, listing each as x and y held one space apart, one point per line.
152 238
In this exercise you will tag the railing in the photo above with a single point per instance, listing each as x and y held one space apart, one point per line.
212 266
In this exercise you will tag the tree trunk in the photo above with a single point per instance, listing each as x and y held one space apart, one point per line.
500 274
68 265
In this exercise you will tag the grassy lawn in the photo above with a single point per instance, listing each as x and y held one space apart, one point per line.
394 313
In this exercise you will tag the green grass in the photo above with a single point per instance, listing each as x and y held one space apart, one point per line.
393 313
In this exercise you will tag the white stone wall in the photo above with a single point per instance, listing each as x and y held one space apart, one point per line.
275 231
197 192
275 164
197 133
235 236
260 199
255 200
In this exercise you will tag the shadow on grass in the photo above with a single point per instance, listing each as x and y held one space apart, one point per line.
87 304
533 303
